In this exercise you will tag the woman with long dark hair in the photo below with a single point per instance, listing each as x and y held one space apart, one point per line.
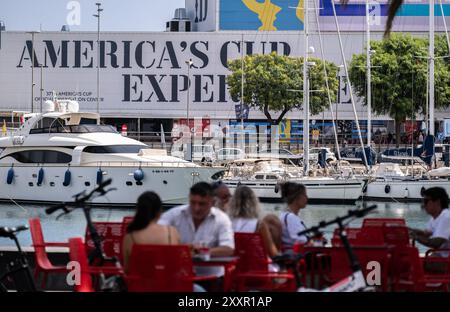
144 229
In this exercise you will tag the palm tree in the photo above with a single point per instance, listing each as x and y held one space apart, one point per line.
394 6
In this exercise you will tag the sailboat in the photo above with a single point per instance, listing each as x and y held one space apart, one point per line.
336 190
385 186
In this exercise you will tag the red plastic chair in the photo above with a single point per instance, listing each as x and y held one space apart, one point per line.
252 270
77 253
331 264
111 234
162 268
43 264
409 274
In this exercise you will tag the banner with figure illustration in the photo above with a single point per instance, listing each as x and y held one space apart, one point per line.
267 15
282 15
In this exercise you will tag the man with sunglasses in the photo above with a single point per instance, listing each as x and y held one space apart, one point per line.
437 233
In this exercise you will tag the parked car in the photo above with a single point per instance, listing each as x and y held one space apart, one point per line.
200 153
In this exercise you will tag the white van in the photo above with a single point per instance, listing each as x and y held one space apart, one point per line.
200 153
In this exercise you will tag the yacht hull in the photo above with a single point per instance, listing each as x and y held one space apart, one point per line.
171 183
319 191
398 190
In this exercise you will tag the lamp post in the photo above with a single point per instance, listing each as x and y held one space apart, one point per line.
99 10
2 28
32 67
189 65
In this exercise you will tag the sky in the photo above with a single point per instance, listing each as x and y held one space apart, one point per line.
117 15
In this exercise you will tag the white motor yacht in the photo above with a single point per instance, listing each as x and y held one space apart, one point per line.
61 152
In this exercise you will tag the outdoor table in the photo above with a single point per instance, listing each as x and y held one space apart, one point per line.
228 263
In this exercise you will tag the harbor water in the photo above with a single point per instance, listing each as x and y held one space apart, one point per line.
74 224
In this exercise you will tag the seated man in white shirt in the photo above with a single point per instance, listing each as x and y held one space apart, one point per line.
437 233
200 224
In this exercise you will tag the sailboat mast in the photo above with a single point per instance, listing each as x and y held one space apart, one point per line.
306 92
369 78
431 70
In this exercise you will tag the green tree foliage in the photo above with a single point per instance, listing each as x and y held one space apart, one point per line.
270 79
399 77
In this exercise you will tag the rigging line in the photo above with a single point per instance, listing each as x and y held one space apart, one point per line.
349 84
326 83
445 25
21 207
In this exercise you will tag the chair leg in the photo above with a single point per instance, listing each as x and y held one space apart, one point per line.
44 280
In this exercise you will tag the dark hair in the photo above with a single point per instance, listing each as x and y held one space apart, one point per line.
148 208
291 190
436 193
217 185
202 189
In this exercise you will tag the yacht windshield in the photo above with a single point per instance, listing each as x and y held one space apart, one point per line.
114 149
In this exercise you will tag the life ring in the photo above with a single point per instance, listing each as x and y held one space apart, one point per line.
10 176
138 175
387 189
40 177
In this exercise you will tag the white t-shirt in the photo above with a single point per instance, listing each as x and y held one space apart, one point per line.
440 227
215 231
292 224
244 225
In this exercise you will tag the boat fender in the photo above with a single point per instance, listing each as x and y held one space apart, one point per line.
406 193
10 176
387 189
422 191
277 188
139 175
67 178
40 177
99 176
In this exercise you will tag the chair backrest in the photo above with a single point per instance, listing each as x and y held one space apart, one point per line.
249 247
37 237
77 253
395 234
160 268
352 236
112 234
382 221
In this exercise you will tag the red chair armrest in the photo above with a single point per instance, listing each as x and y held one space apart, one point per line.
429 251
204 278
56 244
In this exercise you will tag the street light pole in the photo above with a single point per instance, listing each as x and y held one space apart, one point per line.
32 68
41 89
189 65
99 10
